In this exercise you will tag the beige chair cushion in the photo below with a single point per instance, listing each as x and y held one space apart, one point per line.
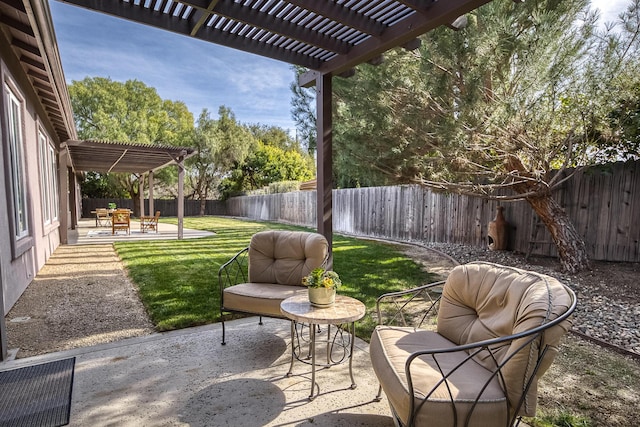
481 301
278 260
389 349
259 298
285 257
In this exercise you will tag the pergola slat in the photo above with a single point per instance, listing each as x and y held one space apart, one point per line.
441 13
342 14
327 36
279 26
206 33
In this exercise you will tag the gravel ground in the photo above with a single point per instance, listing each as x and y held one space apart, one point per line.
83 297
608 294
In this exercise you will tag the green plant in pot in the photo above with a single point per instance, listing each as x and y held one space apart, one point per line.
322 285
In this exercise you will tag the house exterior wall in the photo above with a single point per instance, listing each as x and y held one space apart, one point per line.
20 263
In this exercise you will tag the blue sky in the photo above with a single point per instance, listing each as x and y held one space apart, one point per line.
201 74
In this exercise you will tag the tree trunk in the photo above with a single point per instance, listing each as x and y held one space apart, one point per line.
570 245
571 248
203 206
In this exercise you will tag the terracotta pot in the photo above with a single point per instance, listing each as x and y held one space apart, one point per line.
322 297
497 232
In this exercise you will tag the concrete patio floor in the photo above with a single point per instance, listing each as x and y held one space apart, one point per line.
87 233
187 378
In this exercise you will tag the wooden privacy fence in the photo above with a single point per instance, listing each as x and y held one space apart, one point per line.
167 207
603 203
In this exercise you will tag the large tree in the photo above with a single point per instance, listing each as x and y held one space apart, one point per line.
501 109
220 144
276 158
269 164
127 112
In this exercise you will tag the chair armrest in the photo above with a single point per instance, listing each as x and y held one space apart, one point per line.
233 271
410 307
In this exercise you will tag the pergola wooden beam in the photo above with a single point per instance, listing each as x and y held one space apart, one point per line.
283 27
324 182
441 13
184 25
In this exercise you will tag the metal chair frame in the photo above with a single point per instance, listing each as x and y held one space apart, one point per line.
235 271
231 273
407 297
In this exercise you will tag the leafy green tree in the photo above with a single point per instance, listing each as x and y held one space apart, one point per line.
127 112
511 102
622 87
274 136
97 185
220 145
270 164
276 157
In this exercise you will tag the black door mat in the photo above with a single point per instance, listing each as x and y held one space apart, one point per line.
38 395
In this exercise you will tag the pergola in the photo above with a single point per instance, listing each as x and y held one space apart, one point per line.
138 159
328 37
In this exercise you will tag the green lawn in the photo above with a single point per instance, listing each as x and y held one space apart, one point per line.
178 279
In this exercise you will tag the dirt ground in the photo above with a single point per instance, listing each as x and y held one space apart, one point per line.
83 297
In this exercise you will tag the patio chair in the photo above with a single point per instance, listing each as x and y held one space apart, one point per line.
121 220
475 356
103 219
274 264
148 223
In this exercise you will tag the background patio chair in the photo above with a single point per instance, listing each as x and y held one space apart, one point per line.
274 264
475 356
121 220
148 223
103 219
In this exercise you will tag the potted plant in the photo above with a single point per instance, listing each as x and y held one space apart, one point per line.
322 285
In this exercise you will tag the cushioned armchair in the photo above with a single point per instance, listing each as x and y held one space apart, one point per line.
258 278
475 356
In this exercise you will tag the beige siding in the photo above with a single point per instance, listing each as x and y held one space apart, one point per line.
18 272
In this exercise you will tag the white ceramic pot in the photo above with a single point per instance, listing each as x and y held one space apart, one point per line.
322 297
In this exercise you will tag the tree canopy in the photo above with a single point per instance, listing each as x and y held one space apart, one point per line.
245 157
127 112
220 144
502 108
277 157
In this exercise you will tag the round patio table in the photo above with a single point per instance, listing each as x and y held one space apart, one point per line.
343 313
